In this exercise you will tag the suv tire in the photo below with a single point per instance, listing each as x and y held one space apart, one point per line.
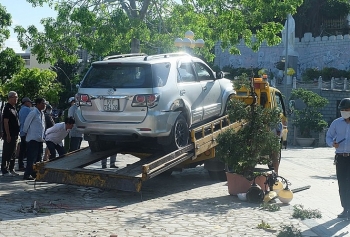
179 135
98 145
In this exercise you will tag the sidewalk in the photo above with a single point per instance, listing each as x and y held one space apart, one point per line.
185 204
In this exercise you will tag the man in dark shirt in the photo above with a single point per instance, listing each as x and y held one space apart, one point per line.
10 135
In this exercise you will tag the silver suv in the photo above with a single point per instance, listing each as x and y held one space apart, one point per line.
135 97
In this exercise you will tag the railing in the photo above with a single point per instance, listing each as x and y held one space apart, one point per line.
335 84
335 23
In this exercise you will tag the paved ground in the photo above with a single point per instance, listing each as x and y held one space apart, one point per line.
185 204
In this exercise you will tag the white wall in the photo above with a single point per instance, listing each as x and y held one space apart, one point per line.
332 51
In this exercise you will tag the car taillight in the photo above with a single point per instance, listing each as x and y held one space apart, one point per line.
84 100
148 100
140 98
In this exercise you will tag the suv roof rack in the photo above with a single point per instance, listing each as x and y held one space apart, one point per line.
124 56
166 55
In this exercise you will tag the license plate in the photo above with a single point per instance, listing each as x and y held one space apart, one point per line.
110 104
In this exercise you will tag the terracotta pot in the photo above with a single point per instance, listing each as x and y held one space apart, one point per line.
237 183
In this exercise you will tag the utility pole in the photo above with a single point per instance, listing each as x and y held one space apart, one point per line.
286 57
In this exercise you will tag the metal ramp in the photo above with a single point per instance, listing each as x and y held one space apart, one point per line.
69 169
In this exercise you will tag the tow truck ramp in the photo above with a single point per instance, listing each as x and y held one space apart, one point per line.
69 169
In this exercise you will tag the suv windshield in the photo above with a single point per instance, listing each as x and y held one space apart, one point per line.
117 75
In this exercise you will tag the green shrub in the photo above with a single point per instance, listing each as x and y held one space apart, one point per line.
326 73
309 118
289 231
310 74
300 212
270 207
235 72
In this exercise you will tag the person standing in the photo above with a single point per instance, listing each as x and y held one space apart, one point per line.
76 137
10 135
23 113
55 135
49 122
338 136
284 135
34 128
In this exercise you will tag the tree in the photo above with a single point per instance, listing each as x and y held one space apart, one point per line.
5 22
35 83
311 14
103 27
10 63
309 118
67 76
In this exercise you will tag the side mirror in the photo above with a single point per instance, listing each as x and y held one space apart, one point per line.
220 75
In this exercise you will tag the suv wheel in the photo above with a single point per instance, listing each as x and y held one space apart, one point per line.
179 135
98 145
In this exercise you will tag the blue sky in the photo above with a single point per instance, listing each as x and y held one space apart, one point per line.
24 14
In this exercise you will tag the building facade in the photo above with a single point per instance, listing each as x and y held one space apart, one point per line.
31 61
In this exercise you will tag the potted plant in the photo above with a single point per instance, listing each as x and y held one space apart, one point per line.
241 149
290 71
307 118
262 71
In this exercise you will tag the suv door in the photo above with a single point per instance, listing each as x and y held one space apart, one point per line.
211 90
190 90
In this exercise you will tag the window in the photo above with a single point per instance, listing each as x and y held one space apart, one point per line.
160 74
203 72
185 72
118 76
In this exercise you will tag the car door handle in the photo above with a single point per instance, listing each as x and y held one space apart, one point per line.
182 92
204 88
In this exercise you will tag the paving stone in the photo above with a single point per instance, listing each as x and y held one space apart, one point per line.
187 203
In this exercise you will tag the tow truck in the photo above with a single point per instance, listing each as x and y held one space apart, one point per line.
70 169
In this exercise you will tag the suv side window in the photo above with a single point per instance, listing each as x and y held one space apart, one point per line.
203 73
185 72
160 74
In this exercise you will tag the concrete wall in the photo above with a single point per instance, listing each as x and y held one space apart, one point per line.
313 52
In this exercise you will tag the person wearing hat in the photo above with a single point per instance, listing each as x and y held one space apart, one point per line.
338 136
10 124
76 137
23 113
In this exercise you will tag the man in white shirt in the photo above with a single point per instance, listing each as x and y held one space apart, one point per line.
34 128
55 135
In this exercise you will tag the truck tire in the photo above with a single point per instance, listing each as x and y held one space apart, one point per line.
98 145
179 135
